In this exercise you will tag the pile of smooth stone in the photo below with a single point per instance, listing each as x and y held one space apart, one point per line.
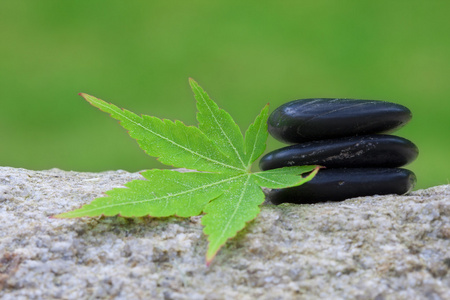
347 137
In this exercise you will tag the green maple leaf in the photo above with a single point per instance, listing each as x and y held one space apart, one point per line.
223 187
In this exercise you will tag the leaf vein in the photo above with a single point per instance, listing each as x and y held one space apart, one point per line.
253 148
235 209
167 196
176 144
221 129
265 178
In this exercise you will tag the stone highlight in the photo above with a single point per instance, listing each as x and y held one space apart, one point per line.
347 136
367 151
341 184
317 119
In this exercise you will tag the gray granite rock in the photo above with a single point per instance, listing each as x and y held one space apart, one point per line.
382 247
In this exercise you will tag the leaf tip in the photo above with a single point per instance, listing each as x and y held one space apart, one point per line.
87 97
58 216
210 257
192 81
314 172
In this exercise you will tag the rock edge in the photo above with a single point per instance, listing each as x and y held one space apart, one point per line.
380 247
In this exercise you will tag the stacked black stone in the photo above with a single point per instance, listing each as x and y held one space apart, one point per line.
348 137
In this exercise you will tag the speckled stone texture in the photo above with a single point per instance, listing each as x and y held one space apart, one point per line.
381 247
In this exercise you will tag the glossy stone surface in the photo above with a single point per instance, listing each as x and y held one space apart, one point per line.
316 119
368 151
341 184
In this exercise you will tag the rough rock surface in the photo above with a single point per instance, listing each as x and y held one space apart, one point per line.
381 247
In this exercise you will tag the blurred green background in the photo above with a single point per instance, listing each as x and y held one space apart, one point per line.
139 55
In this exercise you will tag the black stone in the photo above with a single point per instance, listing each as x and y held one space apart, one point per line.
341 184
316 119
367 151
